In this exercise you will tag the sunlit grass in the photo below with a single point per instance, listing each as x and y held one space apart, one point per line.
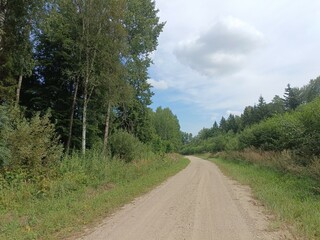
85 191
293 199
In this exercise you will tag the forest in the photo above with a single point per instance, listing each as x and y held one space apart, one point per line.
76 72
75 114
282 134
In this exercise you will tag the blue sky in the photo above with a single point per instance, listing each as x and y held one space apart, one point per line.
216 57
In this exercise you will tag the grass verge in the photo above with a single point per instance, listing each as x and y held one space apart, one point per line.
86 191
293 199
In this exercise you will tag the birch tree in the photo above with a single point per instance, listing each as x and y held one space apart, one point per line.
143 27
16 62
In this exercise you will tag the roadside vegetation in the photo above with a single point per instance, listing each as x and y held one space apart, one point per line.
78 138
293 199
283 134
79 191
48 194
274 148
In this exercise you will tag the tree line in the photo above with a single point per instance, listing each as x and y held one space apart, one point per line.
77 71
288 123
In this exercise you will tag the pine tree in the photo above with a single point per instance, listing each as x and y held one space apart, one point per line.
291 98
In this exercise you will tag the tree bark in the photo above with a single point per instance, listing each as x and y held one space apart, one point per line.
18 90
84 118
106 130
72 115
3 4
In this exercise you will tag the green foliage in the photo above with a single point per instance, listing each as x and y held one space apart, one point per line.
29 144
76 44
287 141
297 131
277 133
277 105
16 47
157 144
85 188
311 91
33 143
309 117
5 154
127 147
294 198
143 27
166 126
292 98
221 142
186 137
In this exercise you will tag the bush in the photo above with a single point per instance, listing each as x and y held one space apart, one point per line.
29 144
4 132
157 144
279 133
125 146
309 116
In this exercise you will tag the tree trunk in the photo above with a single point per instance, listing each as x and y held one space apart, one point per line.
3 4
18 90
106 130
84 117
72 115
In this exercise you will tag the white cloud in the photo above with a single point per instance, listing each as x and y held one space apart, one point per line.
223 49
227 66
161 85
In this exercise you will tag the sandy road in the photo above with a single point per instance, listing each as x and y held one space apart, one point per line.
198 203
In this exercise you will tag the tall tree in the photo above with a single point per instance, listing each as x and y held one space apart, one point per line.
16 59
223 125
91 53
277 105
144 28
167 127
58 72
291 98
3 7
186 137
311 90
262 110
89 43
232 124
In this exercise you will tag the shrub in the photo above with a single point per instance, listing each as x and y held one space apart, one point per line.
4 132
157 144
309 116
314 169
279 133
29 144
33 143
126 146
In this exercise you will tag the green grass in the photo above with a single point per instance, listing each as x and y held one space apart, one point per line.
293 199
86 191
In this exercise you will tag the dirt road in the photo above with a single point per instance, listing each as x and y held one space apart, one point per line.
198 203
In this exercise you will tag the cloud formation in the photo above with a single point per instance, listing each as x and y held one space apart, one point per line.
219 70
161 85
221 50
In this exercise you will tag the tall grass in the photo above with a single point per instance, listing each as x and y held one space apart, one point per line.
78 191
284 161
293 198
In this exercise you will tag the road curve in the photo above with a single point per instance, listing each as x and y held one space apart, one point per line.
198 203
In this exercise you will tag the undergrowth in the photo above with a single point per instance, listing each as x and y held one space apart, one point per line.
79 191
284 161
293 198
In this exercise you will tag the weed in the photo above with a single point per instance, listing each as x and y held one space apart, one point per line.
83 190
293 198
